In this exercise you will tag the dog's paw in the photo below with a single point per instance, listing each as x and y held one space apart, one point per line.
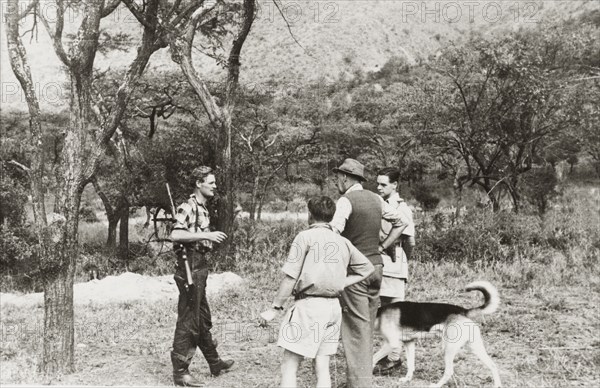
405 379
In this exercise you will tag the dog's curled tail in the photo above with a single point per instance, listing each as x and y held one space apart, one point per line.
490 294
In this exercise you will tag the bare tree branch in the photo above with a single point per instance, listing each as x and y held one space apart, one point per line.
138 13
21 166
288 25
110 7
28 9
56 35
21 69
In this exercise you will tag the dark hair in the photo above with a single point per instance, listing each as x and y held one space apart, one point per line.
200 173
321 208
392 173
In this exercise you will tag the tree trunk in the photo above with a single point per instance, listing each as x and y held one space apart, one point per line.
224 222
260 206
58 255
123 251
516 199
85 140
254 197
58 309
458 193
111 215
60 249
111 240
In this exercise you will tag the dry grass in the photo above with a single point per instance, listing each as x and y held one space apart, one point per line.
545 334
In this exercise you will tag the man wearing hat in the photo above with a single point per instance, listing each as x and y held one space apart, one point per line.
358 217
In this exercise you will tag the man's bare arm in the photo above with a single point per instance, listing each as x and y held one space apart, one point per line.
285 290
392 237
185 236
354 277
398 220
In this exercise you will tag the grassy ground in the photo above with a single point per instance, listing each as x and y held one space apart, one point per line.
544 335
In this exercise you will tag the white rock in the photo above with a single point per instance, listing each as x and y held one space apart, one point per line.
128 287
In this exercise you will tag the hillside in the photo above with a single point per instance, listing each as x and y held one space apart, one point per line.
335 38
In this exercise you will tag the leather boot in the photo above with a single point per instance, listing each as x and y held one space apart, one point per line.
220 366
183 378
181 373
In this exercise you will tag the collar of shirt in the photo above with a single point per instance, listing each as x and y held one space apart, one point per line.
200 203
394 197
354 187
320 225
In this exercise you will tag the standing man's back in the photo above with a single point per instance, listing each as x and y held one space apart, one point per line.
362 227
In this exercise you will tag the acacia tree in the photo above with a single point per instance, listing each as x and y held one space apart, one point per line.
93 119
225 16
502 102
117 181
269 141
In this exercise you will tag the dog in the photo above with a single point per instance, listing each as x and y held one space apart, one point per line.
408 321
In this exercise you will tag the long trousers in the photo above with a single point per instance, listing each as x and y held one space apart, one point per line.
359 309
193 324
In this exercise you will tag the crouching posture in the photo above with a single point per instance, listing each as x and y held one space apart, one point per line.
192 237
320 264
408 321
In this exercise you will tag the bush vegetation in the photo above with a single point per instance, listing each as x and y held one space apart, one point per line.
478 237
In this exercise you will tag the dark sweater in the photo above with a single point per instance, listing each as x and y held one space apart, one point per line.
362 228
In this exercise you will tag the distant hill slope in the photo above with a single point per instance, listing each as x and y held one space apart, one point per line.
337 38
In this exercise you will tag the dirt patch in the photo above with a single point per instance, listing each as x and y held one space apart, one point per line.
127 287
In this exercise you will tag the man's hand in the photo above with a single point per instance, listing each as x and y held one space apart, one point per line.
217 237
267 316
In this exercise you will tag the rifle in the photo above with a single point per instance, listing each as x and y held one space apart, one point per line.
189 282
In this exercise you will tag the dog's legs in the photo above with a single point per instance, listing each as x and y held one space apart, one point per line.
388 328
410 361
476 346
453 340
381 353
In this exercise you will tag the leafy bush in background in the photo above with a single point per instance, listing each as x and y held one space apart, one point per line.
539 187
18 259
87 212
425 194
488 237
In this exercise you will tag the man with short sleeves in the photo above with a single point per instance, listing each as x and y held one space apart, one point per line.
319 266
358 217
395 272
192 234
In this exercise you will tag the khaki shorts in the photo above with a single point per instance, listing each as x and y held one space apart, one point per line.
311 327
393 288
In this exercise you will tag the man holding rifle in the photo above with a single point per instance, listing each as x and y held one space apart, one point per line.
192 238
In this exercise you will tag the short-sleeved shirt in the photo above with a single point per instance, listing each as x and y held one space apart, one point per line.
193 216
398 203
320 259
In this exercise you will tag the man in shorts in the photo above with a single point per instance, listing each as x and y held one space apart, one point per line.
395 272
320 264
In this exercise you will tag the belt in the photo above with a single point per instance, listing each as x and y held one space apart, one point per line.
304 296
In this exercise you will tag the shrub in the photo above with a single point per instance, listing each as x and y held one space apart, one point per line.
18 259
87 213
13 198
425 194
480 237
539 187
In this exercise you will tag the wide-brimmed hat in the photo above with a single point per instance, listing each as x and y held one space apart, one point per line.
352 167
